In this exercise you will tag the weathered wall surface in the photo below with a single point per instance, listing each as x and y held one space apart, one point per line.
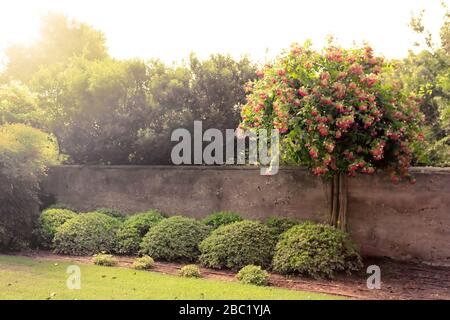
193 191
407 222
402 221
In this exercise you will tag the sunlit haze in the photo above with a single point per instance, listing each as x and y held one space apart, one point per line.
171 29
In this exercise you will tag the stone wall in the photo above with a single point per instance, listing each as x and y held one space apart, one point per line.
405 222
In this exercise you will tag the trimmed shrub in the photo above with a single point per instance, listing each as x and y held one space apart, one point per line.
143 263
237 245
317 250
49 222
103 259
280 224
62 206
87 234
190 271
111 212
175 239
134 228
253 275
221 218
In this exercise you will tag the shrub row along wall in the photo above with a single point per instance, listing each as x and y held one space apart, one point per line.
405 222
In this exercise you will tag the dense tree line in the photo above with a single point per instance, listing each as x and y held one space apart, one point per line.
109 111
427 73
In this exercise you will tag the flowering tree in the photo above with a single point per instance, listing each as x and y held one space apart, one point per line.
335 115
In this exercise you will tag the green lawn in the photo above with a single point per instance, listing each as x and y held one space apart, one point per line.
24 278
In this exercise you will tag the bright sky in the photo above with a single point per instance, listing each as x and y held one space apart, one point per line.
171 29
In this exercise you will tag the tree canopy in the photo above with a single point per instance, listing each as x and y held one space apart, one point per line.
335 113
427 73
61 38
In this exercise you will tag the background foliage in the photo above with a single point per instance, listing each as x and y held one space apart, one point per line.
25 154
426 72
109 111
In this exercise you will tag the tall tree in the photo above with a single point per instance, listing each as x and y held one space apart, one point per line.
428 74
218 88
61 38
95 108
18 104
335 115
169 101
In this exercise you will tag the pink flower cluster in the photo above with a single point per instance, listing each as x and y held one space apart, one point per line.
339 116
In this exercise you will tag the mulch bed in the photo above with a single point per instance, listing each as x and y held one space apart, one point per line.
399 280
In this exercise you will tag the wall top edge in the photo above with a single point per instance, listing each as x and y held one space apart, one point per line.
230 167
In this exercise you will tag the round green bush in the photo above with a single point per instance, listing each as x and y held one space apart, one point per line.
106 260
86 234
280 224
237 245
175 239
253 275
221 218
49 222
115 213
143 263
190 271
134 228
317 250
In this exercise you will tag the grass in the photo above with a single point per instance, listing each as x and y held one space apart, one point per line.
26 278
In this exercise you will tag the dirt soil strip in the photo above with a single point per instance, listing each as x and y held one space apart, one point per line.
398 280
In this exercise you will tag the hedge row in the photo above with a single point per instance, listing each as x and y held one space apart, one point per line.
222 240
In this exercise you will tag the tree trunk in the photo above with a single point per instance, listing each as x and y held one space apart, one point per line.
334 201
338 210
342 220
